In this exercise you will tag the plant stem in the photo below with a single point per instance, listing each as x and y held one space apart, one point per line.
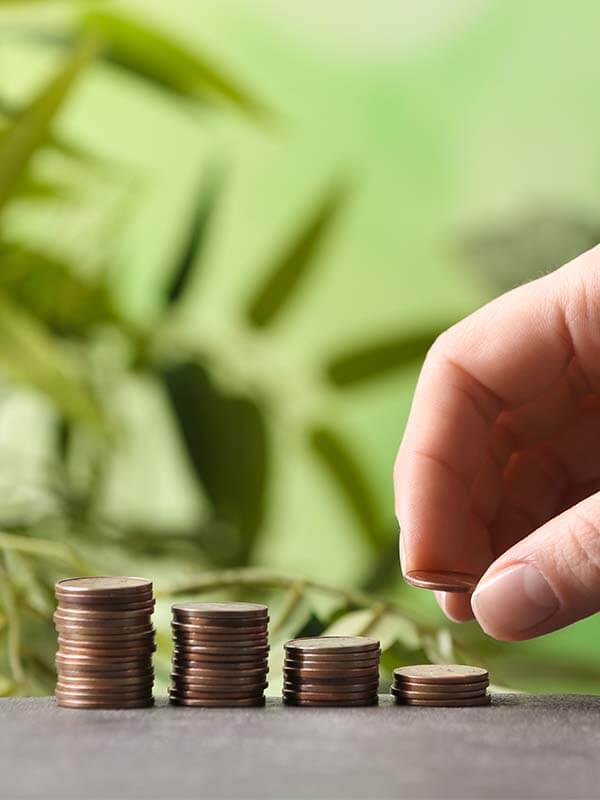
267 579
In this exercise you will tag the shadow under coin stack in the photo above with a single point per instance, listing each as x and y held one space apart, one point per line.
105 642
331 671
220 654
441 685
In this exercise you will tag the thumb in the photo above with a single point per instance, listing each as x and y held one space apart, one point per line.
546 581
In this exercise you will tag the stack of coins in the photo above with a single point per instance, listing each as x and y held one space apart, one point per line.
441 685
331 671
105 642
220 654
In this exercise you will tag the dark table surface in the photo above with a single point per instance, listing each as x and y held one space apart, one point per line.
520 747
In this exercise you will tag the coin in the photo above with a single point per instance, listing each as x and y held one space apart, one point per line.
185 653
329 663
96 604
108 653
221 611
104 586
98 643
194 690
324 674
329 696
446 688
204 636
226 648
103 694
441 581
232 702
109 637
342 686
441 695
440 673
101 631
109 703
228 670
482 700
290 701
332 644
108 617
93 682
92 672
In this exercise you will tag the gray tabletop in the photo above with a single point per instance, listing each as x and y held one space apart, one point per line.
520 747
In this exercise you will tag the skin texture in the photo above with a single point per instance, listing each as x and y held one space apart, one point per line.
498 473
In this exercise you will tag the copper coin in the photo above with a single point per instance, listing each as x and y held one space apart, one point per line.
339 663
323 674
318 688
117 682
211 628
118 623
442 688
112 703
225 654
367 694
192 628
137 617
294 701
439 674
440 581
222 646
111 657
183 679
193 690
208 671
103 586
219 611
482 700
332 644
95 635
411 695
91 673
248 668
102 631
147 604
232 702
138 693
148 643
108 653
202 634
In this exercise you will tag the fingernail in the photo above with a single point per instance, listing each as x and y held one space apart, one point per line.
402 555
513 601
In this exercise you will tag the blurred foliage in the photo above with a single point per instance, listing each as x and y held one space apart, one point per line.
64 337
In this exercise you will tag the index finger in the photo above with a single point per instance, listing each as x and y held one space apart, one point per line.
500 357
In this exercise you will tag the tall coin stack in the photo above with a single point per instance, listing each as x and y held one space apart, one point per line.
105 642
331 671
441 685
220 654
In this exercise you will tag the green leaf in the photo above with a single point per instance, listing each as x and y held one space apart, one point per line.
51 290
30 357
390 628
371 361
345 470
30 129
33 189
226 441
157 58
193 245
292 267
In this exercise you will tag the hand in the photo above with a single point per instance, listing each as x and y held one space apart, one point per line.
498 473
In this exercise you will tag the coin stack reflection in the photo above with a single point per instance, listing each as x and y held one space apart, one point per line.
105 642
220 654
441 685
331 671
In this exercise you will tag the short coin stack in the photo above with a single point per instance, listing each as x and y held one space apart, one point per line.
220 654
105 642
441 685
331 671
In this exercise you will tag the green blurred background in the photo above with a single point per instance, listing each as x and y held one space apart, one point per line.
229 232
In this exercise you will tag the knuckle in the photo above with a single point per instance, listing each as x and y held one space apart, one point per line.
583 535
